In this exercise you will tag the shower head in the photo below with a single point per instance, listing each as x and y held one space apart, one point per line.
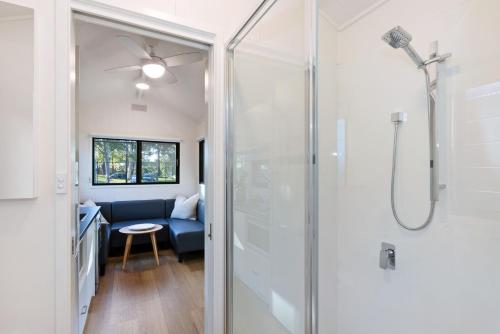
400 38
397 37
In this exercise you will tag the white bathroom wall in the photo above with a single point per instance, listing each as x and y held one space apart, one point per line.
27 256
17 173
447 276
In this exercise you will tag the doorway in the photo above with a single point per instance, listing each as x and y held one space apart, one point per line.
138 147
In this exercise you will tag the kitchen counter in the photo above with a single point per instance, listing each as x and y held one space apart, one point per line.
90 213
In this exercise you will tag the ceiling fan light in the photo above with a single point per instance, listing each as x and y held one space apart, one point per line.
153 70
142 86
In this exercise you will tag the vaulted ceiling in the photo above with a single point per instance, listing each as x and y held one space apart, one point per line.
100 49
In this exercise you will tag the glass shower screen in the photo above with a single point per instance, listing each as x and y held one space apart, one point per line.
267 171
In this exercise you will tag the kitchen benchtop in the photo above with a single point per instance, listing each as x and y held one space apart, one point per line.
90 213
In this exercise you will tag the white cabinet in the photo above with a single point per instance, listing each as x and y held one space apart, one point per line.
86 273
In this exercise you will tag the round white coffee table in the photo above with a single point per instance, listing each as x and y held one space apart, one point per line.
130 235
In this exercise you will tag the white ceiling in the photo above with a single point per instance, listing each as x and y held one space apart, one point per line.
345 12
99 50
9 10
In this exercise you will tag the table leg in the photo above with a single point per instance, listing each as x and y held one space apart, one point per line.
127 250
155 249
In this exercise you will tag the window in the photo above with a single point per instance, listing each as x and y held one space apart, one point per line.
124 161
159 162
201 161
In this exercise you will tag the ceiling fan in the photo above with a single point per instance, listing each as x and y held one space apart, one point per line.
151 65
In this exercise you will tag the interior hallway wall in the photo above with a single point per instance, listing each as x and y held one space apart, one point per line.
27 241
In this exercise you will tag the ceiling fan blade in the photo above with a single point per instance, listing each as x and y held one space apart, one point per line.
124 68
183 59
133 47
170 77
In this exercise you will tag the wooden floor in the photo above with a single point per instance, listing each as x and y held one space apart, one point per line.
147 299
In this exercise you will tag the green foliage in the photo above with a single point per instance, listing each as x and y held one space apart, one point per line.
115 161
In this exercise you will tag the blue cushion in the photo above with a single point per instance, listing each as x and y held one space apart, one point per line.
186 235
134 210
200 212
169 207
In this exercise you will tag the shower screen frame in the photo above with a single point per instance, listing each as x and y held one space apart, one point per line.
311 163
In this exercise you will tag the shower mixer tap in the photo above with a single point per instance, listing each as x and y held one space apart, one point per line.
387 256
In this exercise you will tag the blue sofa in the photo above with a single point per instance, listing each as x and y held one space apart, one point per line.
184 235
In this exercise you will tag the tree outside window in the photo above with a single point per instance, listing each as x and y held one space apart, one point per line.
119 161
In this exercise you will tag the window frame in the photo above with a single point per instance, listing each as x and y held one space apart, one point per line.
201 161
138 162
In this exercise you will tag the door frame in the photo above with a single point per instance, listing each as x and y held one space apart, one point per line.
65 303
311 163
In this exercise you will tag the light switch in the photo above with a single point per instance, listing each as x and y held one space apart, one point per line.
61 183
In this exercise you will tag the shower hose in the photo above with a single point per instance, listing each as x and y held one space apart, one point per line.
432 147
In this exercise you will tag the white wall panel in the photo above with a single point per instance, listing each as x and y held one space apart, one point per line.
27 287
446 277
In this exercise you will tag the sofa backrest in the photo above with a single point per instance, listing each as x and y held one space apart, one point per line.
106 210
142 209
200 211
169 207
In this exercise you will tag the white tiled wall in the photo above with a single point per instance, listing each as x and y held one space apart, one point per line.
447 276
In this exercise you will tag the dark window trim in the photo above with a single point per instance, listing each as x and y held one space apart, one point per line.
201 161
138 162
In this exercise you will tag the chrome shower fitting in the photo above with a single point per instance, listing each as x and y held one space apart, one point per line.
399 38
436 59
